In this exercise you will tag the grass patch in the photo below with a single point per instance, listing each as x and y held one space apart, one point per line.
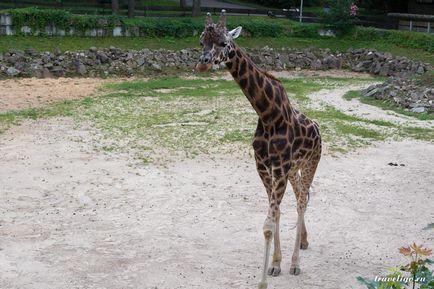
386 105
195 116
418 133
350 129
61 108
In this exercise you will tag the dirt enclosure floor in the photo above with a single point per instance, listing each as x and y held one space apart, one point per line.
71 217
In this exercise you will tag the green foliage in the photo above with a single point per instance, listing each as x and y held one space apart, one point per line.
252 26
37 19
408 276
338 17
261 27
423 41
305 30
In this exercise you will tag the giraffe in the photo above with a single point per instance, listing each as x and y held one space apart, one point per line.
287 144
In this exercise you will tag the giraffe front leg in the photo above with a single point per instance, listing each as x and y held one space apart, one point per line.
274 270
304 243
271 225
295 260
269 229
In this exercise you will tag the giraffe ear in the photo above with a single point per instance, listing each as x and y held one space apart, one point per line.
236 32
208 19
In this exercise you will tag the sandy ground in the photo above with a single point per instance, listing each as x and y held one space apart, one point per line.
75 218
34 92
71 217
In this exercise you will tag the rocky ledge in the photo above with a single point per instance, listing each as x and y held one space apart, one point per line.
113 61
406 93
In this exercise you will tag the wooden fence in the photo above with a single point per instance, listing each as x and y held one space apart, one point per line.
415 22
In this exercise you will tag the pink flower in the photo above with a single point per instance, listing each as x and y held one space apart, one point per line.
353 9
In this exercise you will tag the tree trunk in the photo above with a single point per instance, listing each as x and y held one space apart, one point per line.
115 6
196 8
182 3
131 4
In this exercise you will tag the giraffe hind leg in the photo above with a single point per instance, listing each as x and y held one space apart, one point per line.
296 186
301 186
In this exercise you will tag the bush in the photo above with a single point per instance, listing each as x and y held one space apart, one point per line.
38 19
182 27
338 17
406 39
305 30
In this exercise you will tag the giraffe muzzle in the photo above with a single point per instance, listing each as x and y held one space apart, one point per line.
202 67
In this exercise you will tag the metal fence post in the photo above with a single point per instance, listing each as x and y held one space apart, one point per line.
428 28
301 11
411 25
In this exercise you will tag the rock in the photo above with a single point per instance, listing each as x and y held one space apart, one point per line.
140 61
12 71
156 67
57 51
80 68
30 52
57 71
371 92
420 70
46 73
316 64
102 57
93 49
420 109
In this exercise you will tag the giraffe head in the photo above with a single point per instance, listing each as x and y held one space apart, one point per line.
216 42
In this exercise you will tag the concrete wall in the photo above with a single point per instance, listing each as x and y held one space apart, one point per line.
6 28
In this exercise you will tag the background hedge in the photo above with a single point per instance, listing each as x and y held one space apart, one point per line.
37 19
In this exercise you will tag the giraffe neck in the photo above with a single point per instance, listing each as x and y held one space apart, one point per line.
265 93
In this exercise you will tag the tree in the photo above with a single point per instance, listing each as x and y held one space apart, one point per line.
182 3
115 6
339 17
131 7
196 8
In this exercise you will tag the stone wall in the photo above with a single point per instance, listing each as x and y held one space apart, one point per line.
113 61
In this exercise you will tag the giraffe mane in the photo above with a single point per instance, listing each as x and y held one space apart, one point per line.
271 76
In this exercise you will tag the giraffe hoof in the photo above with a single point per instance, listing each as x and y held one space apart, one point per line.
274 271
304 246
294 271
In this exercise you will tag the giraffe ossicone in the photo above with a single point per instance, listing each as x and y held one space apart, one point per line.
287 144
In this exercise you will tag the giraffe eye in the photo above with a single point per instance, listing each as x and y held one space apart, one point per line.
201 43
223 44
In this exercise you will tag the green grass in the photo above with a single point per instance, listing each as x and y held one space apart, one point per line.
82 43
201 116
61 108
386 105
